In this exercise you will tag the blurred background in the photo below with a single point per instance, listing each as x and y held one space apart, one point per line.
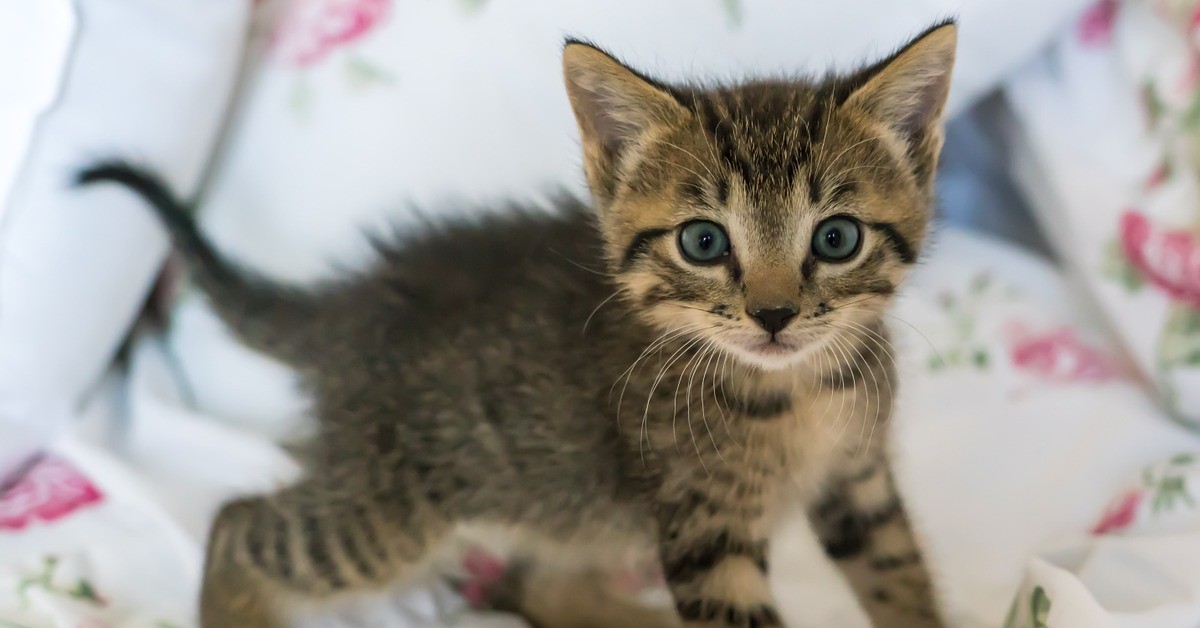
1045 434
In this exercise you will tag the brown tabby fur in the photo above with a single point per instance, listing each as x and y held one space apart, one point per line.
576 380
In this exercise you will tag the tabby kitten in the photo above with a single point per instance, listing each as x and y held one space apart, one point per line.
664 372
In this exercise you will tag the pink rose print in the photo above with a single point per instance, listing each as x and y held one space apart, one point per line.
1168 259
1061 356
50 490
1096 26
1120 513
311 29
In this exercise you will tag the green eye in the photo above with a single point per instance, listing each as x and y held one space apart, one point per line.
703 242
837 239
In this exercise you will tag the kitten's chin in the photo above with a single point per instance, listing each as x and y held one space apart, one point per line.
770 355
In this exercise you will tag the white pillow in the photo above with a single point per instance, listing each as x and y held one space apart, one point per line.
149 79
41 32
363 105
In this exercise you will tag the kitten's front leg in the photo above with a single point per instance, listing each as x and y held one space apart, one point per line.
865 529
715 559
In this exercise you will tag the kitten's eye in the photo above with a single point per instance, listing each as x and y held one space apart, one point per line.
703 242
837 239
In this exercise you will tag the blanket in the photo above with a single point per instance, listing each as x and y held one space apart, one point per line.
1018 423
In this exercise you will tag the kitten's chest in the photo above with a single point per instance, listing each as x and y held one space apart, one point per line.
804 445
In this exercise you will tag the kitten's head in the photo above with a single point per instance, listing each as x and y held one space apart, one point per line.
769 216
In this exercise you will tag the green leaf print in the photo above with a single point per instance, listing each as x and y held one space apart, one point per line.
963 311
1152 104
1181 460
980 283
1168 484
1170 492
300 100
81 590
980 358
1010 620
1191 117
1118 269
362 74
1039 608
734 11
1192 359
1178 347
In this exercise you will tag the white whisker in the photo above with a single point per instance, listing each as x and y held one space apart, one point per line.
589 318
691 431
704 393
845 358
650 397
877 401
675 398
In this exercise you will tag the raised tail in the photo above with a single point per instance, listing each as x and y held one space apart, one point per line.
266 315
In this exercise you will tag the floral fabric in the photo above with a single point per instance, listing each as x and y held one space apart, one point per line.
1113 116
1111 119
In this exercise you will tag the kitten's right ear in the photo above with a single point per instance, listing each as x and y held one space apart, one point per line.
614 106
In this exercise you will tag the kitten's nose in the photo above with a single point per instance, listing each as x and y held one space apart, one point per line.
775 319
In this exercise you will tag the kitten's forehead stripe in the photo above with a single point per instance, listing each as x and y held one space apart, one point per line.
842 190
722 190
693 190
814 187
715 117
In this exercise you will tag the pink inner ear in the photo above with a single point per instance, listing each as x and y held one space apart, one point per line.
924 113
603 118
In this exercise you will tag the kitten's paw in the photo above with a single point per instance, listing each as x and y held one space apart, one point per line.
716 614
486 585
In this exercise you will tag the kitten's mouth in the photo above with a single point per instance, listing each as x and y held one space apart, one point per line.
771 353
773 347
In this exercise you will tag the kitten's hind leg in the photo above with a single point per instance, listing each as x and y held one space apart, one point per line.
269 555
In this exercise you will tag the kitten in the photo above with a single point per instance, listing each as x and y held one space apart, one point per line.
663 372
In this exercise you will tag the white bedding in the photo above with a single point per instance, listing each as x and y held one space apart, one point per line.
1021 436
1017 426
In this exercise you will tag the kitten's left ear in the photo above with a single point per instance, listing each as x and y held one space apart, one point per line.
614 106
908 90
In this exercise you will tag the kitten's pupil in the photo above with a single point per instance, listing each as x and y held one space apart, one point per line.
706 241
833 238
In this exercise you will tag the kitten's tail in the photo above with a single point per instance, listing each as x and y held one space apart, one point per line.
264 314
